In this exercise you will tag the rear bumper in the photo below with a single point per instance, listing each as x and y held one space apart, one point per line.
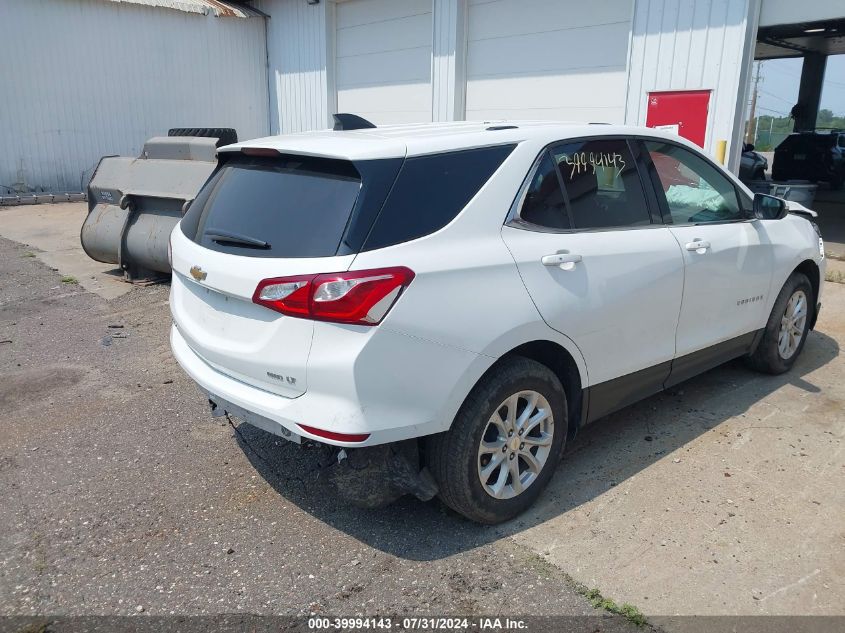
373 389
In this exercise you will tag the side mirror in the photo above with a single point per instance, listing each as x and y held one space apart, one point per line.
769 207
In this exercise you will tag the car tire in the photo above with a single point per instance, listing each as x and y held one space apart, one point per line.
457 459
784 335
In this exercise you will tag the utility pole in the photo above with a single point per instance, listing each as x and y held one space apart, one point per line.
751 127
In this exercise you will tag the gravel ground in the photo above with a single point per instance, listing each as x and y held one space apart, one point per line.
122 495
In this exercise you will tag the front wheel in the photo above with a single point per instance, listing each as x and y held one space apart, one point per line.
787 328
504 444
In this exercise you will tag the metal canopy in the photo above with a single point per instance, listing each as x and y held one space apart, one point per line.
826 37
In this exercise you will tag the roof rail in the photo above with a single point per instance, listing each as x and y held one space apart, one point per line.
343 121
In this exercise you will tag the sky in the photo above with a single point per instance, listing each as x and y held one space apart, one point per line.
779 86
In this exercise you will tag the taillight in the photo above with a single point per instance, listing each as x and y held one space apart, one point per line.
362 297
288 295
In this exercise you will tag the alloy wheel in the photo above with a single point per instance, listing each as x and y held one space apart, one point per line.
515 445
792 325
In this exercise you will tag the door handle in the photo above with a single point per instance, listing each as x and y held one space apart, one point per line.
566 261
699 246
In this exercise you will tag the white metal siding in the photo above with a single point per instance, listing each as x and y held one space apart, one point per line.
547 59
299 42
691 46
87 78
384 59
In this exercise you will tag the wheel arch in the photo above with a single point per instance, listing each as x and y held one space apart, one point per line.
809 268
558 359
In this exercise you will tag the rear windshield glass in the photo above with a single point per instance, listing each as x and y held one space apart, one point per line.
291 206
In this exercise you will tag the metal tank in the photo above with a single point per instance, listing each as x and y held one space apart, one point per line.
134 203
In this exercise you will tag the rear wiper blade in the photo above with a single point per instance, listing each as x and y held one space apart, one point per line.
220 236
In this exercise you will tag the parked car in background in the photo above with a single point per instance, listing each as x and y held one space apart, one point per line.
443 306
752 165
814 156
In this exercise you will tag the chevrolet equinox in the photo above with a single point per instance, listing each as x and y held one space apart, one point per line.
444 305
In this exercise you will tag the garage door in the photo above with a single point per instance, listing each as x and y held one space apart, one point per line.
547 59
383 52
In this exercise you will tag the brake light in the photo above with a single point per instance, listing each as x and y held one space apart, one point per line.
362 297
260 151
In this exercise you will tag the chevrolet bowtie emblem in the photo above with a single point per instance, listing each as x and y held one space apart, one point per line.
198 273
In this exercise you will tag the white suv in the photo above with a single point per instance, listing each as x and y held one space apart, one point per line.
447 304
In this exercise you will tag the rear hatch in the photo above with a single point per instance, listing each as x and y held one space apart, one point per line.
262 217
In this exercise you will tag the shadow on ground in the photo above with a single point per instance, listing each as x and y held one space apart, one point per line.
602 456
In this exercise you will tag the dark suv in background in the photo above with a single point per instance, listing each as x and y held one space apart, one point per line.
814 156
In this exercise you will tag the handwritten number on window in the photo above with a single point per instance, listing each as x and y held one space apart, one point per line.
581 162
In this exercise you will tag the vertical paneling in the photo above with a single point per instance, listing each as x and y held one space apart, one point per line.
84 78
384 62
547 59
448 61
299 43
693 45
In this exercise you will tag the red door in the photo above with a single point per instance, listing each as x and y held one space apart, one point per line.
681 111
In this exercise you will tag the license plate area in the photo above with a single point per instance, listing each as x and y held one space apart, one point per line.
220 407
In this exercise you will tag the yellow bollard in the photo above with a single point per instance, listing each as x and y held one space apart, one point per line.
721 150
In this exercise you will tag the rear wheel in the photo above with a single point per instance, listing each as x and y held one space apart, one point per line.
504 444
787 328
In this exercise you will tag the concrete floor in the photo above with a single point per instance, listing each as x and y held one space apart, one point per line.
121 496
52 232
725 495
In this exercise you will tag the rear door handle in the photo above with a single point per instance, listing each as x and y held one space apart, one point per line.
698 245
566 261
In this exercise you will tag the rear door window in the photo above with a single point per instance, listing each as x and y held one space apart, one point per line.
602 184
291 206
431 190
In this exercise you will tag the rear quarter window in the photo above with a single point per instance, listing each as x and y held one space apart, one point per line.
430 191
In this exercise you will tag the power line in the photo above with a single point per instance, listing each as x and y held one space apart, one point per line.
776 96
